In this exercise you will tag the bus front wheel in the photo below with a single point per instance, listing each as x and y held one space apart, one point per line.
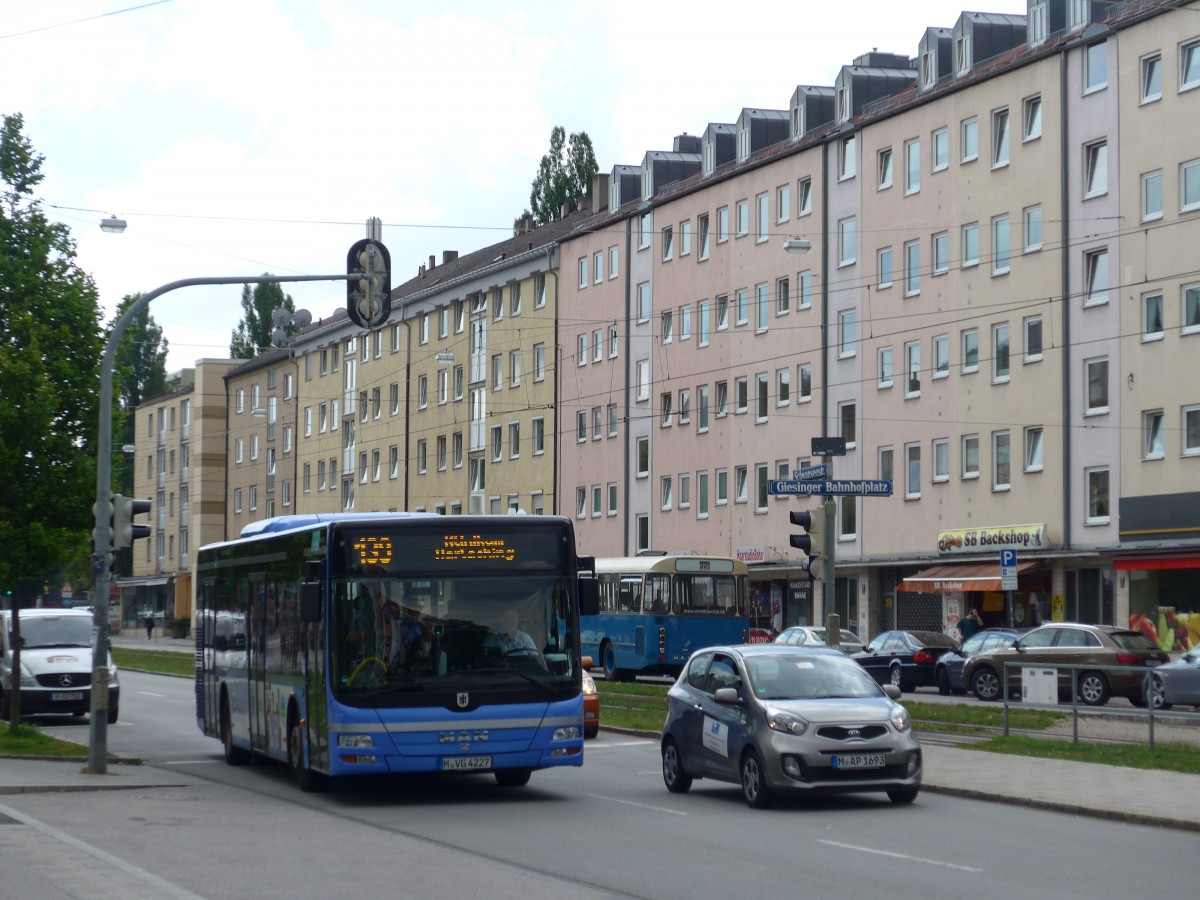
308 780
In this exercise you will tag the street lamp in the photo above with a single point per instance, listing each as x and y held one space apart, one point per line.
829 505
112 225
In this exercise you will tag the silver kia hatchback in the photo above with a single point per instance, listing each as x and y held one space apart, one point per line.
780 719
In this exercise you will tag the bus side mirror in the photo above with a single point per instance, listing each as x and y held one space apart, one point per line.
310 601
589 596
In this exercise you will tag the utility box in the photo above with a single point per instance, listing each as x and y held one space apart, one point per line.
1039 686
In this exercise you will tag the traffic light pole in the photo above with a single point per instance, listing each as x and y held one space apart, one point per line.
98 725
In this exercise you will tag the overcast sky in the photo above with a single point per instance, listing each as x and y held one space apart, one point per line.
238 138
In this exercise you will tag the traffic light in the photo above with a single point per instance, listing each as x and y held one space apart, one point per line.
103 509
369 291
124 530
810 542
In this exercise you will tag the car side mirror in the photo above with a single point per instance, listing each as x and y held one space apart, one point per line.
726 695
892 692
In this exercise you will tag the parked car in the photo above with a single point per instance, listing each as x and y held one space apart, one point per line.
814 635
778 719
56 663
1070 644
905 659
591 702
948 670
1177 682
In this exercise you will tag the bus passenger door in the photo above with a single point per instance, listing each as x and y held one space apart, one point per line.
256 622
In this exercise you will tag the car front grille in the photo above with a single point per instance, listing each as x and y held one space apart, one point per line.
65 681
851 732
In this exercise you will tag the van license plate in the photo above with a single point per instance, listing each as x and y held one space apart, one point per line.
858 761
69 695
459 763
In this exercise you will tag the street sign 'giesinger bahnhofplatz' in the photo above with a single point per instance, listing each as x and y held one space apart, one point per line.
807 488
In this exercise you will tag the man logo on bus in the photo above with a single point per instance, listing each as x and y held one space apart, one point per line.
463 699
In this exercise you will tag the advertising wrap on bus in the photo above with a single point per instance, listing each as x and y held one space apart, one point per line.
360 644
654 611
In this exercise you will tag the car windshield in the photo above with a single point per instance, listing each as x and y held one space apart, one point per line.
808 677
55 631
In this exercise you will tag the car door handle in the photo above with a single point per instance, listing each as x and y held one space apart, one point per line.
699 706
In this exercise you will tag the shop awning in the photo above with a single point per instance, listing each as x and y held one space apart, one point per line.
1137 563
977 576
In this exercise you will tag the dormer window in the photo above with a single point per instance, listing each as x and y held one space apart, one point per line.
710 158
743 144
797 122
1079 14
928 78
962 52
648 183
1037 25
843 103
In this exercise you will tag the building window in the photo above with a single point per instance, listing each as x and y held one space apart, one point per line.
1152 316
1032 118
722 224
1095 274
970 245
701 409
804 195
761 397
741 302
667 326
761 478
1189 186
804 290
884 366
612 420
884 168
722 487
762 217
941 459
1095 64
970 140
762 307
685 237
702 236
970 456
539 436
1153 442
1033 339
847 333
721 407
1095 169
665 494
912 471
643 457
1097 496
912 166
1191 430
742 221
685 490
912 268
581 503
1191 308
1032 217
1033 448
668 244
912 369
847 158
783 297
941 149
741 484
645 231
999 138
1189 66
643 301
1151 77
887 463
1001 246
1096 379
1152 196
847 413
804 383
847 241
1001 460
884 266
643 379
685 406
941 253
783 386
1000 361
941 356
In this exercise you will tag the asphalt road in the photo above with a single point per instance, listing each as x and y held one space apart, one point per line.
607 829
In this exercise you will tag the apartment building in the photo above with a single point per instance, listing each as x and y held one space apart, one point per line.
180 466
986 313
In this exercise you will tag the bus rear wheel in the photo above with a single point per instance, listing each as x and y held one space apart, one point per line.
234 755
608 660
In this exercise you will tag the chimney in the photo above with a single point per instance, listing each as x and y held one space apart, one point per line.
431 262
600 192
421 271
449 256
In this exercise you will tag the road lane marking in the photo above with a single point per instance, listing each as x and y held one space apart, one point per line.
607 744
674 812
151 694
893 855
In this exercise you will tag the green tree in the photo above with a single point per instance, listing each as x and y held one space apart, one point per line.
50 349
253 334
564 177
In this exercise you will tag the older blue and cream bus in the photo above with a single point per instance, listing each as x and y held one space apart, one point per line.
654 611
367 644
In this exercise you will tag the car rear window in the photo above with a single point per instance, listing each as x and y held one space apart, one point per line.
933 639
1132 640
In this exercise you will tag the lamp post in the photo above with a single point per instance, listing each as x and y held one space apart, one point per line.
828 505
98 724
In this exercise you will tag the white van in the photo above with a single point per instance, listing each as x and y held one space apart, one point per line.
56 663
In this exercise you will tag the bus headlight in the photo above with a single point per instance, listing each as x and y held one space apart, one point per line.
567 733
357 741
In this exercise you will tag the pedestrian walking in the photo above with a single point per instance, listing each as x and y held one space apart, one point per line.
150 627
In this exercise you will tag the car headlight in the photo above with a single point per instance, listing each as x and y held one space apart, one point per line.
27 679
900 719
589 684
786 722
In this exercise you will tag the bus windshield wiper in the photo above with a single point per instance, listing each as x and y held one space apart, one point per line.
528 676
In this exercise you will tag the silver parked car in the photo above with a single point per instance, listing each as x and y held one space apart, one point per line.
1177 682
777 718
814 635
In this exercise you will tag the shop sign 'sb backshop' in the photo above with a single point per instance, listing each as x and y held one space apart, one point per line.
974 540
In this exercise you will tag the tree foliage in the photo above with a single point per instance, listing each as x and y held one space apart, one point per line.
564 177
140 373
253 334
50 348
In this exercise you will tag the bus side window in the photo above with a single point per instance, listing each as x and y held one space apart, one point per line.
659 593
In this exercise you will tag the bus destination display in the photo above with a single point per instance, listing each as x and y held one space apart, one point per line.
461 547
424 548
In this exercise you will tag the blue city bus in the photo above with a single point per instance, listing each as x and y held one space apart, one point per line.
654 611
363 644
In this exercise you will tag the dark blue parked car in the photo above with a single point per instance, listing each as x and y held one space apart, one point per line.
948 671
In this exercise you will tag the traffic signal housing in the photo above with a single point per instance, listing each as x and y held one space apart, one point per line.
369 290
103 509
124 530
810 542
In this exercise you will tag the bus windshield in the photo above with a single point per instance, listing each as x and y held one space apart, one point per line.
392 636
